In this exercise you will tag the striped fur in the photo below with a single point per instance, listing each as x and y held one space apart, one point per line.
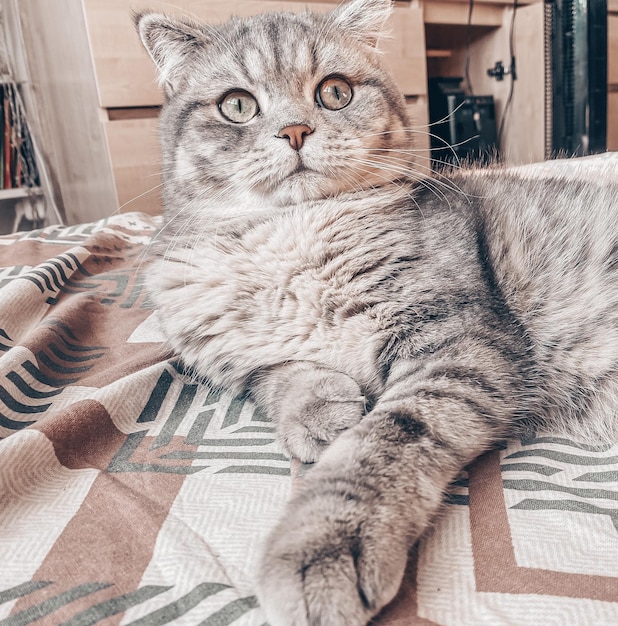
392 329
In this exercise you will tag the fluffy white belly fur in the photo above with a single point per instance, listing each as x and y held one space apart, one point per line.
280 292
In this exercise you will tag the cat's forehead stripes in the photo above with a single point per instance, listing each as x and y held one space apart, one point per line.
286 50
272 49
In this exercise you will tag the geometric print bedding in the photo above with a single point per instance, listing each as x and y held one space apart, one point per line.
131 493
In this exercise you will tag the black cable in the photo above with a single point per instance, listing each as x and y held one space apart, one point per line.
468 44
513 73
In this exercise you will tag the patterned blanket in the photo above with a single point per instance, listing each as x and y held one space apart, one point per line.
131 494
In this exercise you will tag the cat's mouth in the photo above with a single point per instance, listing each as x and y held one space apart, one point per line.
300 169
296 183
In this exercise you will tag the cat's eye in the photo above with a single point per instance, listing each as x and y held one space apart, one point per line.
238 106
334 93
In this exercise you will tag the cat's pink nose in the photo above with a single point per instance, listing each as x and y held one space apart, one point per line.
295 134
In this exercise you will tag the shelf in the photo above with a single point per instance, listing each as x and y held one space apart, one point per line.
439 54
20 192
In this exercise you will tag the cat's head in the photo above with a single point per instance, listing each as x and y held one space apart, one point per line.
277 108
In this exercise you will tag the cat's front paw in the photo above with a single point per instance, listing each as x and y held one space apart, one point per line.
327 563
315 410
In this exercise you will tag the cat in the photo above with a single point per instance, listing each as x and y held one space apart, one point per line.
394 326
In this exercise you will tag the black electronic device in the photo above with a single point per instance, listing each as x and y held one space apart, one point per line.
576 77
463 127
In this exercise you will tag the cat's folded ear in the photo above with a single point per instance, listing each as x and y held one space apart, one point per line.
364 19
170 42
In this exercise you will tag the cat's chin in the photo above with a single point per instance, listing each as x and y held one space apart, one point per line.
302 186
310 185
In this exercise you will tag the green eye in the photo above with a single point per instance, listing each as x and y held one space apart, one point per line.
238 106
334 93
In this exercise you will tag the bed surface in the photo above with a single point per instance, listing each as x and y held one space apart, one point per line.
130 494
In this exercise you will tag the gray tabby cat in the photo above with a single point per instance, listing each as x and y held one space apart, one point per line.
394 330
